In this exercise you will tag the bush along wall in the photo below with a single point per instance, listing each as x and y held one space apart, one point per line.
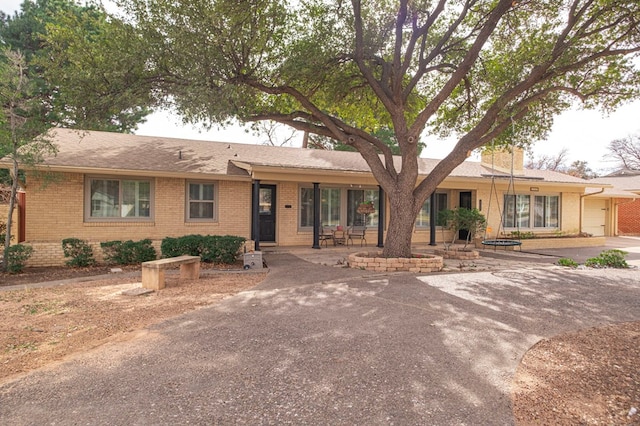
210 248
79 252
128 252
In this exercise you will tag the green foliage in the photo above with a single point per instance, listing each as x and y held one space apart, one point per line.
522 235
3 231
210 248
567 262
17 257
79 251
608 259
461 218
55 36
128 252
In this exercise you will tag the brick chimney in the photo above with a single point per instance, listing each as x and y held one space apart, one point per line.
501 160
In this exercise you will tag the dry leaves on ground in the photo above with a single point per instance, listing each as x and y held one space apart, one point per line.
591 377
44 325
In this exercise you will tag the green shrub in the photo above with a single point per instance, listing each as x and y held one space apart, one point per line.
79 251
17 257
128 252
570 263
522 235
210 248
608 259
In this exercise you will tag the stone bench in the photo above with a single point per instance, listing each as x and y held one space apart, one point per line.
153 271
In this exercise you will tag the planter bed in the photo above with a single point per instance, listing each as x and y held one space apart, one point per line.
375 262
459 254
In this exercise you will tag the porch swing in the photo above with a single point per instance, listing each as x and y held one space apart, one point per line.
501 242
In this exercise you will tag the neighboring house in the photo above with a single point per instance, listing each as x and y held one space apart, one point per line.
110 186
628 209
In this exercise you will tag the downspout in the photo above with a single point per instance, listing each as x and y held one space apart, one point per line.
582 205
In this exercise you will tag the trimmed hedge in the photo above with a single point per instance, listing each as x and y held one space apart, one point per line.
17 257
128 252
210 248
79 251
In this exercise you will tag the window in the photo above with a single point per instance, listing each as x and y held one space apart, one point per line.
201 201
338 206
517 211
329 206
355 197
545 211
425 212
118 199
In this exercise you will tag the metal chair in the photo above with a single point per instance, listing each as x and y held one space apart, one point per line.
357 233
325 234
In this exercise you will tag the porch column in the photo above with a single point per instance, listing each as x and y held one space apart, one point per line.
255 215
316 216
432 219
380 217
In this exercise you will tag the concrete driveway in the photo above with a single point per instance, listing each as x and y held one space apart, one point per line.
320 345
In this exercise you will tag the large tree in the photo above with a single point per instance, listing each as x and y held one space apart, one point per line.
78 87
22 127
626 152
481 70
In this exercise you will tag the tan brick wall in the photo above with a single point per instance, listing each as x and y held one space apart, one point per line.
4 213
56 211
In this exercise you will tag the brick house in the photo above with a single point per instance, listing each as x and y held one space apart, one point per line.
109 186
628 209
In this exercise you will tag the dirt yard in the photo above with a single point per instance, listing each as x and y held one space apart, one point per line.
588 378
44 325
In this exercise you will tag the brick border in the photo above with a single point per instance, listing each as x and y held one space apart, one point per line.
459 254
375 262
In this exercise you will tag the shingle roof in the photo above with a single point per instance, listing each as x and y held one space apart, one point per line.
625 183
117 151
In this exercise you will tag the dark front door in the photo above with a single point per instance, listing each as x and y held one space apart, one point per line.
267 212
466 203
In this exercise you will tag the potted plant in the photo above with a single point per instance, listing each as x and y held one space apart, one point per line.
366 207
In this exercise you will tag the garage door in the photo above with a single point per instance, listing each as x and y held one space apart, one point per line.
595 216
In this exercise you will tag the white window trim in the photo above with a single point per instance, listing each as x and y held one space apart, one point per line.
343 202
532 228
216 202
87 199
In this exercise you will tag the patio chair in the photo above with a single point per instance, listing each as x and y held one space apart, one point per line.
357 233
325 234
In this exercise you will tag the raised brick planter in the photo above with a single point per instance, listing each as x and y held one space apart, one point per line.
375 262
459 254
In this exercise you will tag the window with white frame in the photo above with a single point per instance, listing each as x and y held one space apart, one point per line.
355 197
338 206
422 221
330 202
118 198
201 204
519 210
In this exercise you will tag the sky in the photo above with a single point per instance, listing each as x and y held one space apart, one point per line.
584 133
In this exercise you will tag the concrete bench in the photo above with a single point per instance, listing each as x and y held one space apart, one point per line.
153 271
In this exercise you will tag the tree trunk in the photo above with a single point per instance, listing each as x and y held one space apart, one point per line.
401 222
12 200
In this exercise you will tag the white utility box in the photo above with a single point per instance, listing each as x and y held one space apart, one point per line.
253 260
